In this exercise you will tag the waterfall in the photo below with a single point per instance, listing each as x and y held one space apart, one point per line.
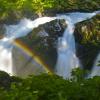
5 55
67 59
24 27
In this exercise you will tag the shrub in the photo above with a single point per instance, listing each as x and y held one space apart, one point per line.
52 87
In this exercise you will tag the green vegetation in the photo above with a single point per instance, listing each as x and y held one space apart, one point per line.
19 7
51 87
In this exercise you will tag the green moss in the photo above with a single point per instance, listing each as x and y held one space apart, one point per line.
88 31
87 35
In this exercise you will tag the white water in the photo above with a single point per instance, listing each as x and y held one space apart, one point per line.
5 55
24 27
67 59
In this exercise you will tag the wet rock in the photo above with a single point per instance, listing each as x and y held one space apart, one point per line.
87 35
5 80
45 45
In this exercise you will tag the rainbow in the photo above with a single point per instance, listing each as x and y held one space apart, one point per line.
32 54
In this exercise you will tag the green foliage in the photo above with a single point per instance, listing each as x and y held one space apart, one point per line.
52 87
79 74
39 6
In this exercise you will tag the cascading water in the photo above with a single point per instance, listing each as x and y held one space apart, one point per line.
67 59
5 55
12 32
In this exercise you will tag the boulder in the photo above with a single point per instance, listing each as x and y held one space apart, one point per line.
87 36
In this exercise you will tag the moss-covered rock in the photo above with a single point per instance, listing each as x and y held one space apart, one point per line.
88 31
87 35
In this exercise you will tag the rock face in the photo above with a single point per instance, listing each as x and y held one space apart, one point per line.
43 41
87 34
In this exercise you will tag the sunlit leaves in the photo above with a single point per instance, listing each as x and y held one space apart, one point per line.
41 5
